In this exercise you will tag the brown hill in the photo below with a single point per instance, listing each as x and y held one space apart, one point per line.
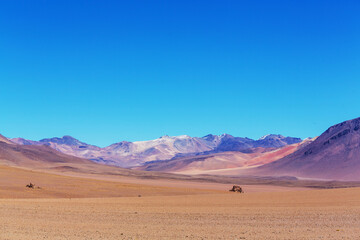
35 156
335 155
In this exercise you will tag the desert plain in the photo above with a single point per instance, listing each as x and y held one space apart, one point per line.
68 207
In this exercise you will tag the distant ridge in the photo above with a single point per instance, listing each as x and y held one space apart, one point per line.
222 163
130 154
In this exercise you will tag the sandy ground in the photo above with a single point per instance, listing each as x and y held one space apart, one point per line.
172 183
108 207
314 214
14 180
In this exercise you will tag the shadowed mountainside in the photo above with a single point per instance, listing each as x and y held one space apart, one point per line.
335 154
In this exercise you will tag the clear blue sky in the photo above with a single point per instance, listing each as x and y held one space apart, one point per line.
106 71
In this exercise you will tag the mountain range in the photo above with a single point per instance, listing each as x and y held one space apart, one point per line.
334 155
130 154
223 163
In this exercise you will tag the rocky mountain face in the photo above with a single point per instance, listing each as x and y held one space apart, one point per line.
129 154
335 155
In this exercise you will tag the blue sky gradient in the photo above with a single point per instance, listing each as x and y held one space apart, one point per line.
107 71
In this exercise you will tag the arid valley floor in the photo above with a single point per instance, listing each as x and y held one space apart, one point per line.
78 208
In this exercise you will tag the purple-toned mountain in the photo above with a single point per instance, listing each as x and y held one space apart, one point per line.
276 141
5 140
334 155
67 140
22 141
231 143
129 154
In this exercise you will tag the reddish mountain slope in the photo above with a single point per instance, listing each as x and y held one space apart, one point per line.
225 163
334 155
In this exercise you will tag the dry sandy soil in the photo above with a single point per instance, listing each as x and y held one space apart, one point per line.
315 214
78 208
13 181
